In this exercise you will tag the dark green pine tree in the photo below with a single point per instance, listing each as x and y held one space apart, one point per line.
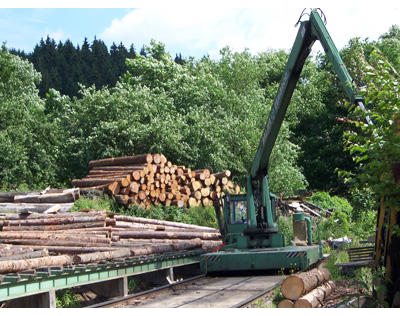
178 59
44 58
86 64
101 66
118 55
69 66
131 52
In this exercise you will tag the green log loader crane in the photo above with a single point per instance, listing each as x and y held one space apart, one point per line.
248 222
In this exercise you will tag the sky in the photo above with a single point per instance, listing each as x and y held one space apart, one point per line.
192 30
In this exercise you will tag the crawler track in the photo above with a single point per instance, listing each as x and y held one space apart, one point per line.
201 291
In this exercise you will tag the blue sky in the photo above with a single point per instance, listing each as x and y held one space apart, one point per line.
187 29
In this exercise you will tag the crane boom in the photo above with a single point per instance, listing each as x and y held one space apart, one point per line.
253 241
309 31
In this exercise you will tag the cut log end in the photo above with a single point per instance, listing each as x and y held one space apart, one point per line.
286 304
292 288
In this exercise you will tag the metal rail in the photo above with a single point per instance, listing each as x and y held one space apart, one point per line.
44 279
125 300
156 289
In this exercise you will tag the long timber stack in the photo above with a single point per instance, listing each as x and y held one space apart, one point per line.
148 179
35 240
48 200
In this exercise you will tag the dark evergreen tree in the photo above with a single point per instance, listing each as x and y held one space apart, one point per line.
131 52
63 65
178 59
101 67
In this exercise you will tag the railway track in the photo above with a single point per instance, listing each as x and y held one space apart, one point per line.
201 292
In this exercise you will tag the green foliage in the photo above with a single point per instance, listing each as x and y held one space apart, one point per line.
202 216
286 227
28 141
67 299
94 202
335 203
375 147
356 220
336 257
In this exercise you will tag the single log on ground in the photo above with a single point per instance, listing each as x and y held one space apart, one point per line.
286 304
316 297
119 161
299 284
9 266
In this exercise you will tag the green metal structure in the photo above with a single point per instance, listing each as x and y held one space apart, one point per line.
43 279
249 221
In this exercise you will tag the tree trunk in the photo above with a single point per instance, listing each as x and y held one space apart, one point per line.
123 181
32 207
100 256
54 227
297 285
10 266
168 235
55 220
316 297
286 304
224 174
119 161
164 223
68 243
27 255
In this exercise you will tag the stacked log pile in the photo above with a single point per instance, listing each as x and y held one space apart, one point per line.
148 179
34 240
48 200
307 289
299 205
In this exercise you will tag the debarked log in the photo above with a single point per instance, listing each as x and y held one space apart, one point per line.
55 221
55 227
69 243
9 266
161 222
168 235
26 255
68 196
100 256
32 207
52 236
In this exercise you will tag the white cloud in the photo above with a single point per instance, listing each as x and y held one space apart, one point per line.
197 31
58 35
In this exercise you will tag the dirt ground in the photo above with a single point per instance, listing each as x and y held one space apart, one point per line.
345 291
